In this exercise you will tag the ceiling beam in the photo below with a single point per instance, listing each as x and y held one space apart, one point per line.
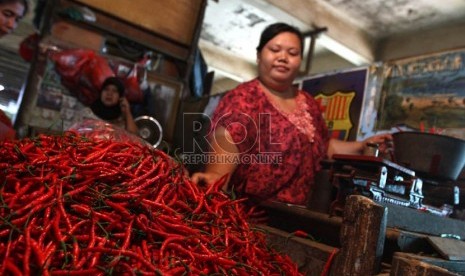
225 63
343 36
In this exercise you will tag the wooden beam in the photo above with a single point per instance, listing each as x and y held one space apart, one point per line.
341 29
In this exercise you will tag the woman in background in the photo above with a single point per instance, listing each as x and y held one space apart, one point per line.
11 12
112 106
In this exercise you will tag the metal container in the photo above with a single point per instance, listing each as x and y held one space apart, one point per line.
430 155
371 149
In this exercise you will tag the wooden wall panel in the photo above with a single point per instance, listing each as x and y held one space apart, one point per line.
175 19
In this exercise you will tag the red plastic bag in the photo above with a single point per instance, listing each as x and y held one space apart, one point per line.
68 63
133 92
100 71
82 72
91 78
6 127
28 46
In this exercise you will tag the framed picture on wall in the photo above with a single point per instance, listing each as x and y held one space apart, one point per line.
424 93
161 101
340 96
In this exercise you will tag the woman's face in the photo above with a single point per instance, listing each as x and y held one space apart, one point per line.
280 58
10 14
110 95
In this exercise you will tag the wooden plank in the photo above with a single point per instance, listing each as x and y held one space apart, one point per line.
286 217
450 249
310 256
405 264
78 37
421 222
398 240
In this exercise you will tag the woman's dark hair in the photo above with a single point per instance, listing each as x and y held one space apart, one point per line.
275 29
116 82
24 2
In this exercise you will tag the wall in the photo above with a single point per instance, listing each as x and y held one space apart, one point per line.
327 62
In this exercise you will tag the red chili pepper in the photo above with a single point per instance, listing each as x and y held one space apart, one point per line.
36 202
56 228
27 252
127 238
151 204
301 234
83 272
98 155
116 217
45 232
61 209
39 256
119 207
169 240
215 187
9 265
127 253
200 203
20 192
147 183
6 257
329 262
145 249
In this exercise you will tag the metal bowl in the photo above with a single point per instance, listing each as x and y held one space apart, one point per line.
430 155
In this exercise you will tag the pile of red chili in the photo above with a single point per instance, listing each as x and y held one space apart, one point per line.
72 205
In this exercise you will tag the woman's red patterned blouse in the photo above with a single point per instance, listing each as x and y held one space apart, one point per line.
279 152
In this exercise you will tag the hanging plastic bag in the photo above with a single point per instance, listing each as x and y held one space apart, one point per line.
133 91
82 72
28 47
68 63
91 78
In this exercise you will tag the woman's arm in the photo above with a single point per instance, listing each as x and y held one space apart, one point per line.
357 147
128 118
342 147
224 153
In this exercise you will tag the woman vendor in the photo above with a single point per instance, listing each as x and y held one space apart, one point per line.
268 137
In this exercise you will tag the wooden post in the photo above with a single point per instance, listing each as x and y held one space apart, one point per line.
362 236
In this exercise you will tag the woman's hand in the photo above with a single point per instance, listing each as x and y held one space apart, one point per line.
125 107
384 142
205 178
358 147
126 110
210 178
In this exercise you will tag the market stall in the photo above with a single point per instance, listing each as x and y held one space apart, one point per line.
97 200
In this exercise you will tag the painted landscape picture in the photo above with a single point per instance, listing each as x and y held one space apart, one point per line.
425 93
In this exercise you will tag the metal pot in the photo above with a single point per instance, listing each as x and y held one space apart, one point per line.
430 155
